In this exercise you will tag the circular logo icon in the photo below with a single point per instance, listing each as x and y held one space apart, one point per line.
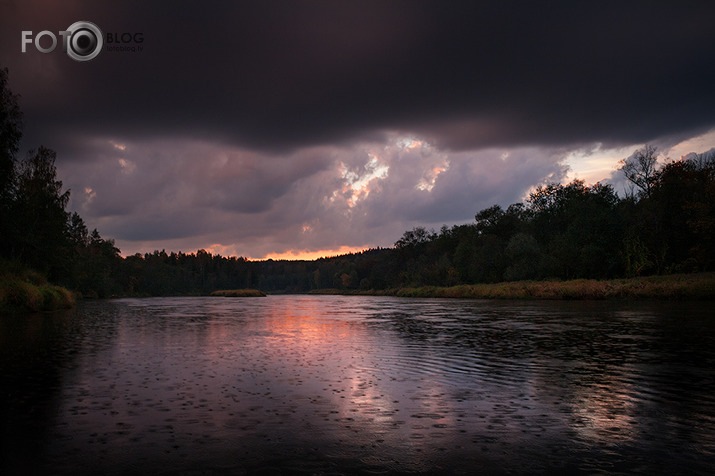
85 41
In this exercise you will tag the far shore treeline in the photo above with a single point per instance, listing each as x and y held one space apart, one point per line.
664 225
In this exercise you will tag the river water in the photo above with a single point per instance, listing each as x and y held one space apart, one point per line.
359 385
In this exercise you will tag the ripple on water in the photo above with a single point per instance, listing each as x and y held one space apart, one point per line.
321 384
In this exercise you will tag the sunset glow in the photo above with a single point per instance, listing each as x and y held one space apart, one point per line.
296 255
428 180
358 184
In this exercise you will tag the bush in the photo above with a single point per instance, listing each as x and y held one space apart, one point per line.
19 293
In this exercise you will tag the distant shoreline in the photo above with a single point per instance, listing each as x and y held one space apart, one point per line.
32 293
696 286
238 293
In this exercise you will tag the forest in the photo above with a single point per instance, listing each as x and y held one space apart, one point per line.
664 224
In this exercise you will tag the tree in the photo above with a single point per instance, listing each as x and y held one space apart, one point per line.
640 169
682 204
10 135
39 214
524 254
488 219
413 237
77 231
578 228
10 131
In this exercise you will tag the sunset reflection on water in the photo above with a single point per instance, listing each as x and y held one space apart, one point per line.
321 384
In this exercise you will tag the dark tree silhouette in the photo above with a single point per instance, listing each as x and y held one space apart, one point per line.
10 135
640 169
40 216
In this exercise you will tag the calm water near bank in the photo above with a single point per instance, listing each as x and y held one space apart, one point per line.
356 384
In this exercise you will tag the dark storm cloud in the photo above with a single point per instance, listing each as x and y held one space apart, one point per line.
262 127
155 176
468 74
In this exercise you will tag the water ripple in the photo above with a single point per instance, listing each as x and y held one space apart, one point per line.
316 384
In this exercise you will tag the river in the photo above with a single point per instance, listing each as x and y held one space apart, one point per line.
359 385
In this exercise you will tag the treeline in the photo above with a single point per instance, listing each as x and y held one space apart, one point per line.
665 224
200 273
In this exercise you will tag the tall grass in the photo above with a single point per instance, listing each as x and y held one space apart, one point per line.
24 294
677 286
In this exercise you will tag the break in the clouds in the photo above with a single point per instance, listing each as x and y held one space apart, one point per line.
319 198
257 128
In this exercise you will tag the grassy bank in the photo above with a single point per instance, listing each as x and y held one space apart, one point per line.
239 293
30 291
675 286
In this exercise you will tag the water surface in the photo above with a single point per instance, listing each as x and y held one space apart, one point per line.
331 385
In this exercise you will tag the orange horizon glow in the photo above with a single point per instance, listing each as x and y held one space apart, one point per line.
306 255
290 255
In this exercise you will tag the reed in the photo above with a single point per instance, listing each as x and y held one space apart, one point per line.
20 293
675 286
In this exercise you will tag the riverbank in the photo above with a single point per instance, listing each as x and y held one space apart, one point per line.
30 291
238 293
674 286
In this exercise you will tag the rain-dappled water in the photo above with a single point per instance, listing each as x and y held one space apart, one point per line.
331 385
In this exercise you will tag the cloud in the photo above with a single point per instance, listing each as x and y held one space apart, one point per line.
464 76
187 194
265 127
364 194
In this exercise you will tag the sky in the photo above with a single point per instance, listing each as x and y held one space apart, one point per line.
302 129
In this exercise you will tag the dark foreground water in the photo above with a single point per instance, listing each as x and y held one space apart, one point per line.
331 385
